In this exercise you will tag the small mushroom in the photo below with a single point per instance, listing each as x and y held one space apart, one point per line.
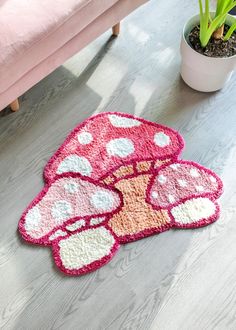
187 190
66 198
109 140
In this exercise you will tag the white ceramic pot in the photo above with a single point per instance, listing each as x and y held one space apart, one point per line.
205 74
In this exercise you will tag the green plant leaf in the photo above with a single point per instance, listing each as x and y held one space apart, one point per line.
229 7
230 32
219 6
200 7
222 5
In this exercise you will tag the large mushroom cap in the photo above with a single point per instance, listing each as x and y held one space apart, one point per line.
182 180
109 140
67 197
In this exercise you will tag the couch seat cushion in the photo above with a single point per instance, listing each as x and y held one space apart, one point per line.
31 30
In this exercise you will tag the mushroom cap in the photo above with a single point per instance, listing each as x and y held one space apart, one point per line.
177 182
108 140
66 198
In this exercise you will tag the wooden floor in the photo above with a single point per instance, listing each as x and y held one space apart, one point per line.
182 279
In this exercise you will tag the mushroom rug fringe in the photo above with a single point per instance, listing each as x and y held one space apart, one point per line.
116 178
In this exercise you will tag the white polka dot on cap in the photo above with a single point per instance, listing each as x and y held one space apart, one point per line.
194 172
122 121
162 179
121 147
32 219
154 194
212 179
182 183
71 187
199 188
161 139
85 138
75 163
171 198
61 210
102 200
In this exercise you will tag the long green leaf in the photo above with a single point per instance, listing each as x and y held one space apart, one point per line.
207 11
224 5
219 7
230 32
200 7
231 6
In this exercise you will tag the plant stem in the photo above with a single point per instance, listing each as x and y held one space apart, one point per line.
218 33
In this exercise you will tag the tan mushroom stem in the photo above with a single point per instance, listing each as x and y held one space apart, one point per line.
136 215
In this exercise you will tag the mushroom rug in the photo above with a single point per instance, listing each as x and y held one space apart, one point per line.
116 178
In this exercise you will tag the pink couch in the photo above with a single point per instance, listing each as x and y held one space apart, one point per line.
37 36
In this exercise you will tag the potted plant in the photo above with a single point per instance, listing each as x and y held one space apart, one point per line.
208 47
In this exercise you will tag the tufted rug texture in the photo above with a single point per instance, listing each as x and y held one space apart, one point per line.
115 179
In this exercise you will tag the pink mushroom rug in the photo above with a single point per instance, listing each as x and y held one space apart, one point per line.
116 178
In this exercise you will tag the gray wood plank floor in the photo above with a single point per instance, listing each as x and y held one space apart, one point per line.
182 279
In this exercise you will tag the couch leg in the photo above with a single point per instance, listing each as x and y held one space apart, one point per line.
15 105
116 29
